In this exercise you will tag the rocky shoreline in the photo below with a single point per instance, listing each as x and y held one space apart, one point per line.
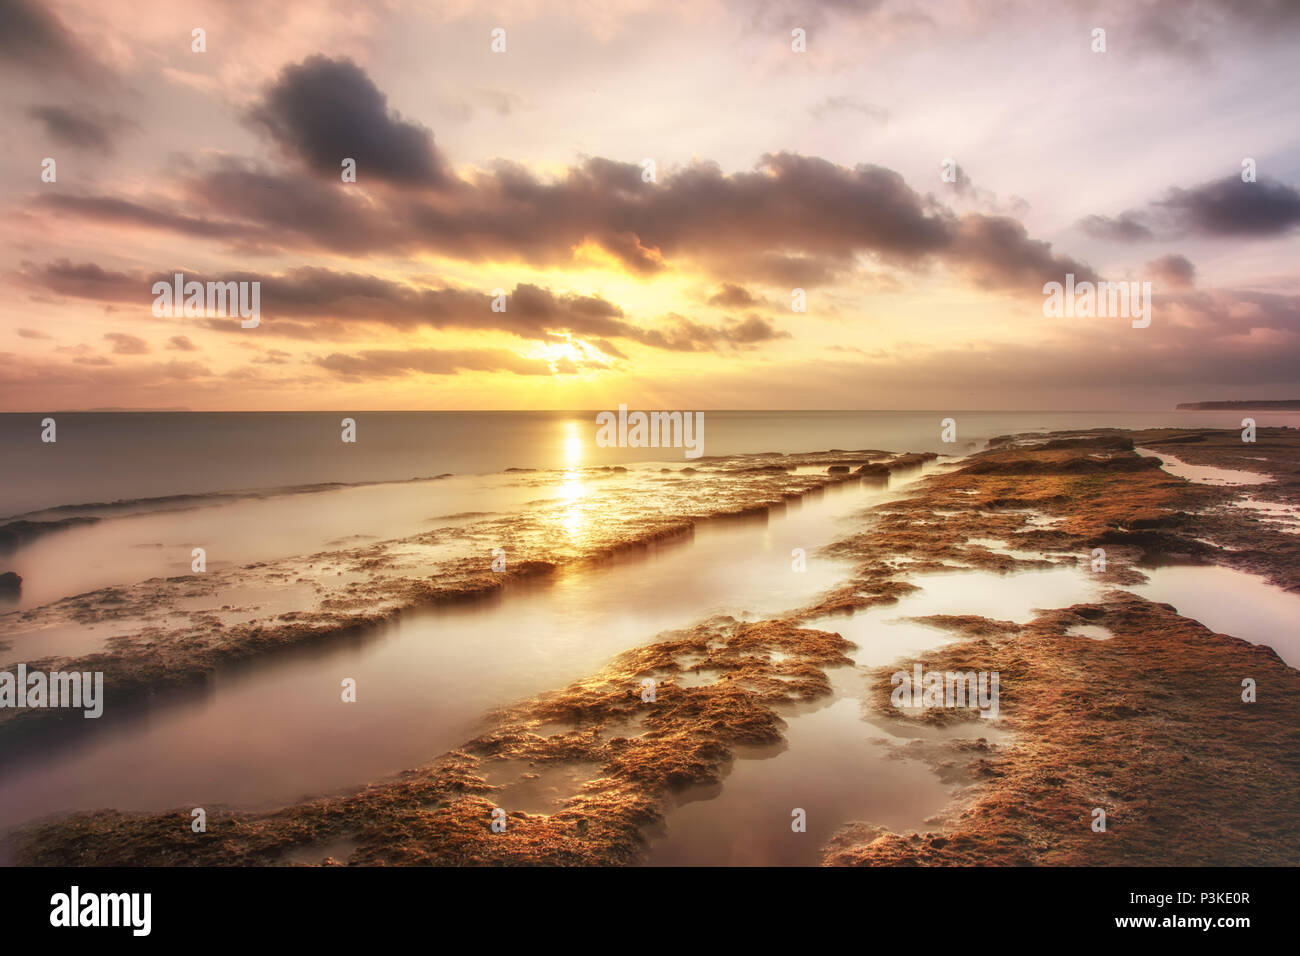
1148 725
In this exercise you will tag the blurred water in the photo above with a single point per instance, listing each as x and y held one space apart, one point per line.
108 456
275 732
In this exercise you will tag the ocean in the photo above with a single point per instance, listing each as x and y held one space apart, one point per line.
104 457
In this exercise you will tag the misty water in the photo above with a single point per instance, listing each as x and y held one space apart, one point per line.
270 734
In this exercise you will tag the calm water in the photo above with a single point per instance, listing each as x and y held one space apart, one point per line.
113 456
170 480
841 760
272 734
1230 602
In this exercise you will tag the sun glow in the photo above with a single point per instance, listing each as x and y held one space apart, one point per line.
573 490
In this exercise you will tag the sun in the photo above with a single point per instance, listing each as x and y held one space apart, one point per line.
566 355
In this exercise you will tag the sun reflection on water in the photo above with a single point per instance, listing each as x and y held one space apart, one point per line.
573 490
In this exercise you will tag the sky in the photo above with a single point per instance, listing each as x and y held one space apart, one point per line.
619 206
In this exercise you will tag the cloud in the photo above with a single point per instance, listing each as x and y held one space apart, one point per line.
35 37
793 219
274 357
84 280
462 109
1223 208
115 211
1191 30
996 252
324 110
733 296
1198 340
848 104
1126 227
80 127
387 363
312 303
124 344
90 376
181 343
1172 270
32 334
752 330
1195 30
964 188
680 334
1230 207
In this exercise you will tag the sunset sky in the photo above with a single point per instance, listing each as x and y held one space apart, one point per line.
522 170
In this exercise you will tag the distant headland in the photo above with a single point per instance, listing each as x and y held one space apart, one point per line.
1286 404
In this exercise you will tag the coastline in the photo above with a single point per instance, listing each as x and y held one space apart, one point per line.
175 632
1070 704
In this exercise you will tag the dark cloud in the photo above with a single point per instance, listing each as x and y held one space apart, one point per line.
996 252
794 272
1172 270
1230 207
323 110
733 296
80 127
751 330
793 219
181 343
1225 207
85 281
30 33
114 211
32 334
